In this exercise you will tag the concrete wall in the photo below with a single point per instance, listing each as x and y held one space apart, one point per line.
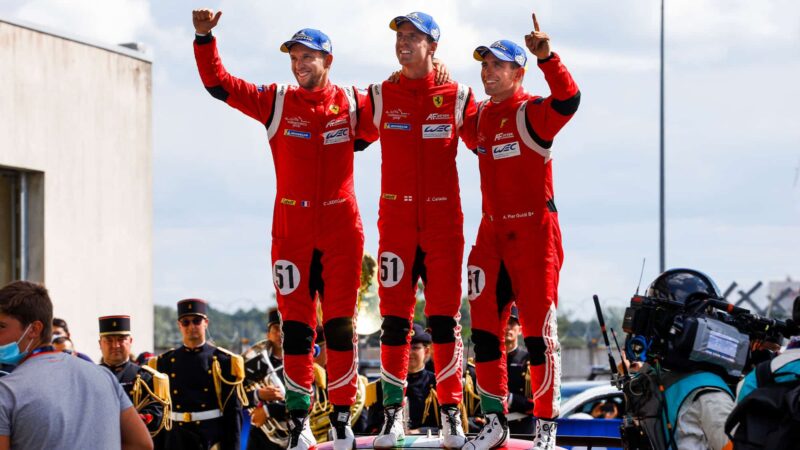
81 114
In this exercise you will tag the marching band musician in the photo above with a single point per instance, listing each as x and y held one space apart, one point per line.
147 388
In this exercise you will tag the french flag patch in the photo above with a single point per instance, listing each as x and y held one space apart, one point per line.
305 203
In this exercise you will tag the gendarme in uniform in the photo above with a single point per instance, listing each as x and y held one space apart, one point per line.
147 388
205 386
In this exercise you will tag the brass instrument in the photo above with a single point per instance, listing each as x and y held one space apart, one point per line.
368 320
319 418
260 373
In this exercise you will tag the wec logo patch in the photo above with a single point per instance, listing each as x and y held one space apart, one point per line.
336 136
437 131
503 151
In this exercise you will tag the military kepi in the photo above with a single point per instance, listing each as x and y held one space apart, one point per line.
192 306
115 325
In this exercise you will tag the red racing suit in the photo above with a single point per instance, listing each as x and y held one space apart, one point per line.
317 237
420 225
518 252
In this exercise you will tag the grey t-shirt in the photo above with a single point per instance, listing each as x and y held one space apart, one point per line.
56 401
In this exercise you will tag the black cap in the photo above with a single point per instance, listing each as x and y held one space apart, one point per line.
192 306
418 334
115 325
514 313
273 317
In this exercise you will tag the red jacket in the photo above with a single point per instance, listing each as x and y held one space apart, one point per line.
419 125
514 140
312 135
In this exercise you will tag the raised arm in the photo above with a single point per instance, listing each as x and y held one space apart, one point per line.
546 116
255 101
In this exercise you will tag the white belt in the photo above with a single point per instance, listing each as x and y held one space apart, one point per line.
195 416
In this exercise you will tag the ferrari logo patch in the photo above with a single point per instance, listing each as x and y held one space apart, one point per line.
334 109
503 122
438 100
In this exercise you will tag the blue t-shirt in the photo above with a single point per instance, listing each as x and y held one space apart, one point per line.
56 401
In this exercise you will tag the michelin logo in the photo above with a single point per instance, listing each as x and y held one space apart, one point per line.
298 134
437 131
336 136
503 151
397 126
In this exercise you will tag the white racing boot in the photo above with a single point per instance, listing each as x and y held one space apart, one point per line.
493 434
393 430
452 429
544 438
343 437
300 435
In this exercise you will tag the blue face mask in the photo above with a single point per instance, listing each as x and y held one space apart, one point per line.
10 354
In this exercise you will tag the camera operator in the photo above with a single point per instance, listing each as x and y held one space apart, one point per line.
678 403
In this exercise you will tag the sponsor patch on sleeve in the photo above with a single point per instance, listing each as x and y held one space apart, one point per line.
336 136
507 150
437 131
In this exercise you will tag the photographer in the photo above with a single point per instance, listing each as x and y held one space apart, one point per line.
679 399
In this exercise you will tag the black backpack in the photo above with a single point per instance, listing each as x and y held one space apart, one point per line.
768 418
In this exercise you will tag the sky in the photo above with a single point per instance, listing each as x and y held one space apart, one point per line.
732 132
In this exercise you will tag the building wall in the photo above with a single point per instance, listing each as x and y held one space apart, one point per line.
81 115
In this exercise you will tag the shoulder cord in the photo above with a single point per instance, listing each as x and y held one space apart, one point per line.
140 401
219 380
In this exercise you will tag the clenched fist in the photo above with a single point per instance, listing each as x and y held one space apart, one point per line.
205 20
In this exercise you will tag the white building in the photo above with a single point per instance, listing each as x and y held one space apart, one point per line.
76 204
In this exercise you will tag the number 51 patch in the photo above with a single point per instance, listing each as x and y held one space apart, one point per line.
286 276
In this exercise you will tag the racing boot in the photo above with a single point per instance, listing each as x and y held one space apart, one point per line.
493 434
300 435
393 430
452 429
544 438
343 438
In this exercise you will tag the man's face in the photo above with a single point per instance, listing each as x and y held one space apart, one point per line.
499 77
116 348
11 330
512 331
193 327
412 46
274 334
416 356
309 66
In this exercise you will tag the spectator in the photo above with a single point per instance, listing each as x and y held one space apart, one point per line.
31 404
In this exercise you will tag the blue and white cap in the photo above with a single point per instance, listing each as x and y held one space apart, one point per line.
311 38
422 21
504 50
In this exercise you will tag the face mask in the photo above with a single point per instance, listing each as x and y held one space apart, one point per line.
10 354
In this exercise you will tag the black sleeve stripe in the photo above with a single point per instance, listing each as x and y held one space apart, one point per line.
371 100
360 144
466 103
569 106
271 110
202 40
544 144
218 92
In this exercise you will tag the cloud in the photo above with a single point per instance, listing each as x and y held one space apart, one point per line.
113 21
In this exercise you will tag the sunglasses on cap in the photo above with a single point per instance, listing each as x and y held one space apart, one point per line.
195 320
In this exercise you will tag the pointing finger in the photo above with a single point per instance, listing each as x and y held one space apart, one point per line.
535 23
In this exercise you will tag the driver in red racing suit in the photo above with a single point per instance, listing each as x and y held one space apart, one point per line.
518 253
420 222
317 236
